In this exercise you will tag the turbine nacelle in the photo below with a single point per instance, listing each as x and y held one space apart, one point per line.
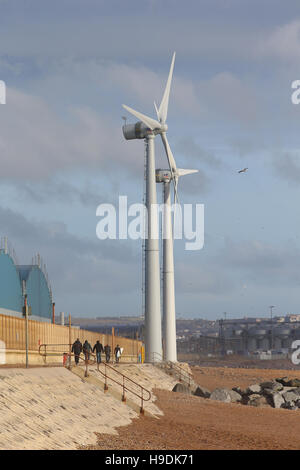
140 130
136 131
163 176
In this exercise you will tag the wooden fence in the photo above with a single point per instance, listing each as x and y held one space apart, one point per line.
12 333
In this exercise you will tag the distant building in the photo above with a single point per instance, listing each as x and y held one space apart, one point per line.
292 318
279 319
16 281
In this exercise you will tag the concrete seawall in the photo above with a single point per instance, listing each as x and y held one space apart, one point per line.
52 408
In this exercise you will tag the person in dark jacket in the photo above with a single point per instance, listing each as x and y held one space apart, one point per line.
117 353
107 353
99 349
76 349
86 348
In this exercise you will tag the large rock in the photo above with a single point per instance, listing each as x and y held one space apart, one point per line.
276 399
283 380
269 392
239 390
290 397
201 392
257 400
287 382
182 388
289 406
293 383
235 396
225 395
272 385
289 389
253 389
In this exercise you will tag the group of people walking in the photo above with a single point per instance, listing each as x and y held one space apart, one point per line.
86 349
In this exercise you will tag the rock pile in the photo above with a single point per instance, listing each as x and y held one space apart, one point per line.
278 393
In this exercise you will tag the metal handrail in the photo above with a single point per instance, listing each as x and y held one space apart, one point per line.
66 347
124 387
106 376
68 354
54 352
123 356
183 374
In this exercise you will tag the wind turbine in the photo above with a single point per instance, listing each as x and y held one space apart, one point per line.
169 312
147 128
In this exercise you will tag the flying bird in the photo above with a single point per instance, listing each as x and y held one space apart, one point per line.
243 170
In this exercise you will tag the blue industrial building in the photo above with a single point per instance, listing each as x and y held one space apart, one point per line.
16 281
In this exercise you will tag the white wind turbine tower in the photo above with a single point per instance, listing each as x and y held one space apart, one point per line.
169 312
147 128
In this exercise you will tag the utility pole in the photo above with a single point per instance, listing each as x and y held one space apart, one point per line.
221 335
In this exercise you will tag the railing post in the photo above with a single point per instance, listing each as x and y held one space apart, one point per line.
105 383
112 343
123 396
86 374
142 407
26 328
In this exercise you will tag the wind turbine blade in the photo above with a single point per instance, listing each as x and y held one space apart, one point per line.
172 164
176 199
171 160
156 109
163 109
149 122
183 172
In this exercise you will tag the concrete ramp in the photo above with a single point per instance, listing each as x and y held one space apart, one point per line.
51 408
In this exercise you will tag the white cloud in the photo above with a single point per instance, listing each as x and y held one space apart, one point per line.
225 94
36 142
282 43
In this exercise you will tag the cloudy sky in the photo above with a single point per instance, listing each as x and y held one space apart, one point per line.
70 64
